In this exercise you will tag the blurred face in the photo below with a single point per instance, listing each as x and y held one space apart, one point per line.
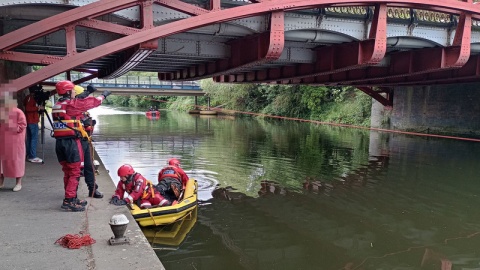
7 102
123 178
71 94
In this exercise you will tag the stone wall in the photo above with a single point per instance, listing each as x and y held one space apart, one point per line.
441 109
380 115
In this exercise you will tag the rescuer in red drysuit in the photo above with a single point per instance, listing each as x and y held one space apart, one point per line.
87 168
172 181
138 188
68 131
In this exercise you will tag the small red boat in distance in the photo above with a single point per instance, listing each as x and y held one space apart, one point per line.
153 114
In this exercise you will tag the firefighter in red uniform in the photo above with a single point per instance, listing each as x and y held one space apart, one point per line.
172 181
139 189
68 131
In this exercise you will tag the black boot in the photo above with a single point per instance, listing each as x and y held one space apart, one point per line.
71 205
81 202
97 194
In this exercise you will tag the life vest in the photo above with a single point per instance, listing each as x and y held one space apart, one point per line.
65 126
88 123
149 191
135 183
171 172
89 130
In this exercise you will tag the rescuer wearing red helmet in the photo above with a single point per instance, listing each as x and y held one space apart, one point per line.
139 189
68 131
172 181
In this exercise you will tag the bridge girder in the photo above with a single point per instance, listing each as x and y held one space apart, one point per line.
262 48
402 64
330 59
141 40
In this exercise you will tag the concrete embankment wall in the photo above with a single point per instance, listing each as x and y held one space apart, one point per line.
31 221
442 109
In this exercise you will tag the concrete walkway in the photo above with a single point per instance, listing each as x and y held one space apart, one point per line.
31 220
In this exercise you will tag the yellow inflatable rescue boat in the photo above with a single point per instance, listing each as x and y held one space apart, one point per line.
168 214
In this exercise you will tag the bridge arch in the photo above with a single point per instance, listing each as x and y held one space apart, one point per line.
141 38
322 35
412 42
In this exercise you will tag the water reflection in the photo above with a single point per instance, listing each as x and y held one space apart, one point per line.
170 237
359 177
285 195
284 230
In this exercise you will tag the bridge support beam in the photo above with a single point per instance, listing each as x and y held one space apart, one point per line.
330 59
262 48
440 109
406 66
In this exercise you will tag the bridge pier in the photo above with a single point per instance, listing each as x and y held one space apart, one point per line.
195 109
441 109
208 111
380 115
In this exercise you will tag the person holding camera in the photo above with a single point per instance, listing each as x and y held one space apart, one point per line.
68 132
32 112
88 166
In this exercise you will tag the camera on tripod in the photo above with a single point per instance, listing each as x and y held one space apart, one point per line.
39 95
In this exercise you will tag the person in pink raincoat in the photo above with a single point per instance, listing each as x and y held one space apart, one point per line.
12 141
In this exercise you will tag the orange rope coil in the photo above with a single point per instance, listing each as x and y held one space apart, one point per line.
75 241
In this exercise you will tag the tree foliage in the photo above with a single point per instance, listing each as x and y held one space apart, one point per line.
228 96
330 104
334 104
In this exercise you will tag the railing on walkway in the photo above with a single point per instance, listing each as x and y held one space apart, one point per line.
147 82
411 16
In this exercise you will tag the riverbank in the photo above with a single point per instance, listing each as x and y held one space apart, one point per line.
32 220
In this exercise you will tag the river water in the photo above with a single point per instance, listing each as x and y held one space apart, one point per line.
285 195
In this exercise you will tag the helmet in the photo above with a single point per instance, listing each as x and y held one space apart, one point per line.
63 87
174 162
125 170
78 89
34 88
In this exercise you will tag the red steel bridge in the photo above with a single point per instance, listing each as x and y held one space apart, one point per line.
373 45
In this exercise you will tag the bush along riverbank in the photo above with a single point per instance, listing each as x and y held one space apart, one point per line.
345 105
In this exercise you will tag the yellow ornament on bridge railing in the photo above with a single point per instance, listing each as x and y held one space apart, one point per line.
475 23
427 16
397 13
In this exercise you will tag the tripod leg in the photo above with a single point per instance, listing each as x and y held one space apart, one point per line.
42 131
42 136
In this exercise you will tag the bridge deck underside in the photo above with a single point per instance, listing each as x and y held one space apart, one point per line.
374 45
